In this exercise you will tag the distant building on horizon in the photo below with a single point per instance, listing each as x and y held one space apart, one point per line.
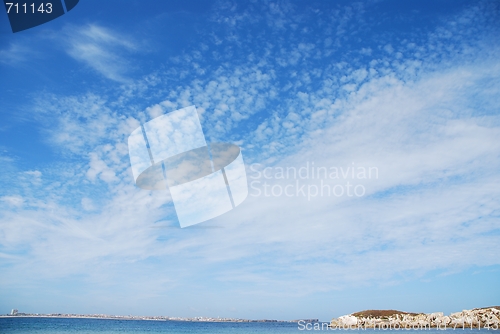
13 312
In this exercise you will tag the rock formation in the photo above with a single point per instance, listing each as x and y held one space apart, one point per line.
488 317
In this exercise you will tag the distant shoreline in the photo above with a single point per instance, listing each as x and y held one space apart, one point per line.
152 318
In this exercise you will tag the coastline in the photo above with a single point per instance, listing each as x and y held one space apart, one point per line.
149 318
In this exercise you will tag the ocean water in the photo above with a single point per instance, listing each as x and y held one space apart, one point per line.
103 326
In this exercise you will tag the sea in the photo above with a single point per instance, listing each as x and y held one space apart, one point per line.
20 325
34 325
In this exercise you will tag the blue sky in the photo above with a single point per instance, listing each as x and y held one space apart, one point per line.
410 88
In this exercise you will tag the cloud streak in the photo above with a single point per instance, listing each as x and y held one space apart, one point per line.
102 50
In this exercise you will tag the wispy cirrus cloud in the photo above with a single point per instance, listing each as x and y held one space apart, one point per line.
102 49
15 53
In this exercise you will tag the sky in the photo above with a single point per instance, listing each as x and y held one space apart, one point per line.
370 133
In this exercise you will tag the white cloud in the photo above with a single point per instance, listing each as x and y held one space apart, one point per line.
88 204
16 201
15 53
101 49
388 48
34 176
98 168
155 110
78 123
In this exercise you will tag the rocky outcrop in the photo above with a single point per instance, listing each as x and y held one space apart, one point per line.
488 317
